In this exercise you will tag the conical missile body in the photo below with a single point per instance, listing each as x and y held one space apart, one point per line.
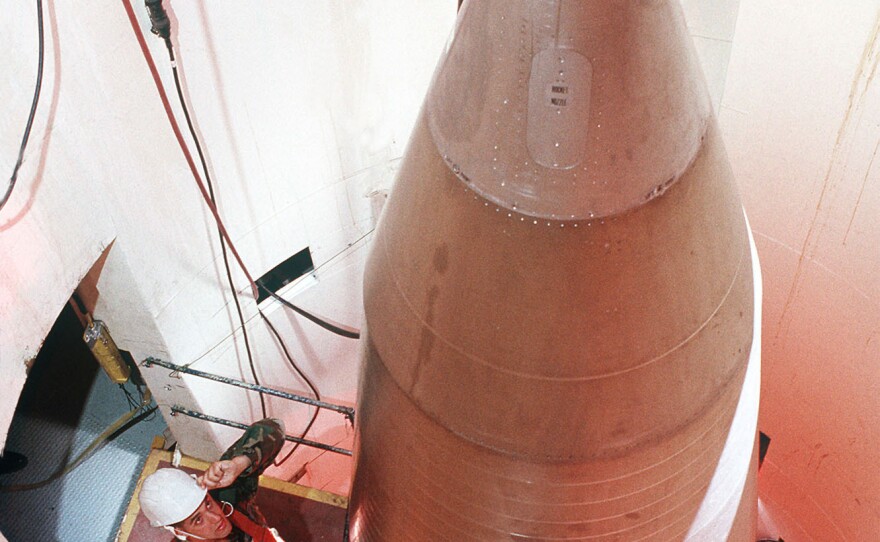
559 296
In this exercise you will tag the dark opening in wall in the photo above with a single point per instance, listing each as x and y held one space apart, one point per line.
286 272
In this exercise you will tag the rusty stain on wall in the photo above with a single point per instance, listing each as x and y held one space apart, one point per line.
854 109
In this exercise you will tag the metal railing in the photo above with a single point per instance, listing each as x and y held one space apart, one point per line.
347 411
213 419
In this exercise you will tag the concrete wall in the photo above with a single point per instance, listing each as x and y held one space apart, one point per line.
303 110
712 25
801 116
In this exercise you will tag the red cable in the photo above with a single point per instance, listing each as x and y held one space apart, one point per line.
339 329
132 19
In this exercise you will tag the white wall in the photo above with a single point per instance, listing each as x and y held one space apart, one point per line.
712 26
44 254
304 109
801 116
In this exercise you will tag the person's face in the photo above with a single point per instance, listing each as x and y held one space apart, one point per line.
207 522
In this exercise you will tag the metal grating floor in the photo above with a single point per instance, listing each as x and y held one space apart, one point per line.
66 403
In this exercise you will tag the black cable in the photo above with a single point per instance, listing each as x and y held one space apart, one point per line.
338 329
133 403
290 358
127 421
161 27
145 416
210 184
30 121
303 376
302 436
129 398
80 305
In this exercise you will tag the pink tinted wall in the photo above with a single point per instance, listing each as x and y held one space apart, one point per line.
801 116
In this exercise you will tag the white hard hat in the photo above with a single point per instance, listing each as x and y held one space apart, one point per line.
169 496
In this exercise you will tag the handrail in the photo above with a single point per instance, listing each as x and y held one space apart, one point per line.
198 415
347 411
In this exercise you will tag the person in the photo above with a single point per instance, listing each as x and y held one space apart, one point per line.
220 503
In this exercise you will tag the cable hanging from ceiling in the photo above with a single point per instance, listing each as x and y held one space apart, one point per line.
161 27
34 102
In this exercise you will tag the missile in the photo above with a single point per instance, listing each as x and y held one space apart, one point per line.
559 299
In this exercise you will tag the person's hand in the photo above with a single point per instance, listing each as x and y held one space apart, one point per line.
223 473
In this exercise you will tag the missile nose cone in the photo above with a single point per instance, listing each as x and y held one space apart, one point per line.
559 298
569 110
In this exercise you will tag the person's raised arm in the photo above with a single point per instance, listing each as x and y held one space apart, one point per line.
260 443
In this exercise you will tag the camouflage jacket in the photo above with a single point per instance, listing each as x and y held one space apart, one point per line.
261 442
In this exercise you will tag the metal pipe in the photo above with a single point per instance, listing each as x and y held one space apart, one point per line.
198 415
347 411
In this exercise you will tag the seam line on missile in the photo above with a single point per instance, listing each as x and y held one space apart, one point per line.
432 512
585 485
682 487
587 378
697 439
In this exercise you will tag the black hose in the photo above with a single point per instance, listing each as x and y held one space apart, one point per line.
30 121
